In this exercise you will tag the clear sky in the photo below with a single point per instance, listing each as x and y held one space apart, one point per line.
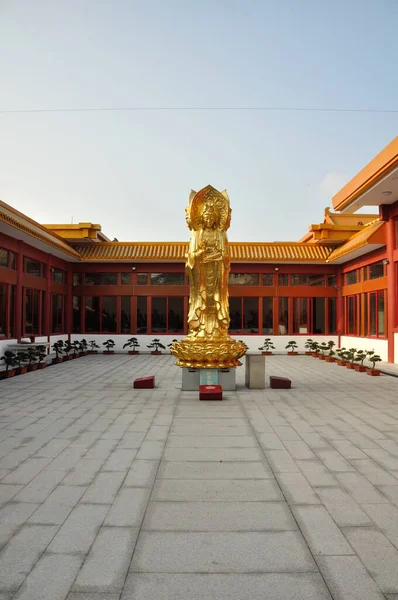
132 171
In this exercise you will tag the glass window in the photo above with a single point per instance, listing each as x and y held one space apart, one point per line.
366 315
142 279
300 315
34 267
3 257
77 311
101 278
92 314
381 314
58 275
77 278
373 314
3 309
351 277
283 279
235 314
374 271
243 279
283 326
318 315
268 315
175 315
142 326
167 278
125 314
159 315
332 315
332 280
316 280
108 314
13 260
12 311
250 315
299 279
126 278
268 279
57 303
31 312
351 314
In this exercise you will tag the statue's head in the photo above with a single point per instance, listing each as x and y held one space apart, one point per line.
208 209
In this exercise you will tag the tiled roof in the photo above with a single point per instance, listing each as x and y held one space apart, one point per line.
175 252
19 221
372 234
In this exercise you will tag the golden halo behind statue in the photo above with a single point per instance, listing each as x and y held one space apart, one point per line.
208 197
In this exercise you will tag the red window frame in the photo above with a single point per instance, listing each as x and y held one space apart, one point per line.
40 312
378 294
63 305
9 325
149 316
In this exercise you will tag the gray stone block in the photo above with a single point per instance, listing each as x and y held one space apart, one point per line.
296 489
84 472
152 450
132 440
142 473
281 461
26 471
40 487
183 441
128 508
347 578
8 491
213 470
51 578
322 534
79 530
334 461
58 505
213 454
120 460
104 488
360 488
222 552
343 508
226 490
12 516
386 518
316 473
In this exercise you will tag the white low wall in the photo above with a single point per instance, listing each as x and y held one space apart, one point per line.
363 343
396 348
252 341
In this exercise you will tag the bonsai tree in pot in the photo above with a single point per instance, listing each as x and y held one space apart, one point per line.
350 356
308 346
323 347
41 355
21 360
93 347
32 359
58 349
11 362
341 352
132 343
292 348
267 347
155 345
83 347
359 358
315 349
109 345
76 349
67 349
331 353
373 358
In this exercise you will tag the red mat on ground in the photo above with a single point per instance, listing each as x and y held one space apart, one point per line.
144 383
280 383
210 392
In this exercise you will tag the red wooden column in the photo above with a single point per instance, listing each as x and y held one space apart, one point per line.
68 300
46 326
19 294
391 286
340 305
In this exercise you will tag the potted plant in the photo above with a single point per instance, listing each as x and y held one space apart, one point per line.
267 347
10 362
132 343
93 347
155 345
41 354
83 347
373 358
75 348
32 359
331 353
323 347
58 349
359 358
67 349
341 361
292 346
315 349
21 358
308 346
350 356
171 344
109 344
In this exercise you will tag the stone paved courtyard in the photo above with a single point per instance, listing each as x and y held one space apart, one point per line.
111 493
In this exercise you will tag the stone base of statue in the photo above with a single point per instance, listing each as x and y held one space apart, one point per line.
196 354
193 378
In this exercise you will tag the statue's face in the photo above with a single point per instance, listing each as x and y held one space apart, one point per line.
187 220
209 217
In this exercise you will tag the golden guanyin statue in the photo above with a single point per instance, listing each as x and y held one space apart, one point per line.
208 344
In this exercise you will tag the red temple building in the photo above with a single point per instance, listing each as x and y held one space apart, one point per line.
339 281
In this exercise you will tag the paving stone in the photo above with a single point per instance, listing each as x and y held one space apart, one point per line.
316 473
128 508
7 492
390 492
378 555
383 458
322 534
27 471
278 586
120 460
101 449
334 461
374 472
216 516
270 441
132 440
299 450
386 518
83 472
222 552
12 516
51 578
108 560
347 578
212 470
152 450
226 490
182 441
347 449
213 454
343 508
58 505
53 448
40 487
142 473
281 461
212 430
92 596
80 528
21 553
360 488
104 488
296 489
